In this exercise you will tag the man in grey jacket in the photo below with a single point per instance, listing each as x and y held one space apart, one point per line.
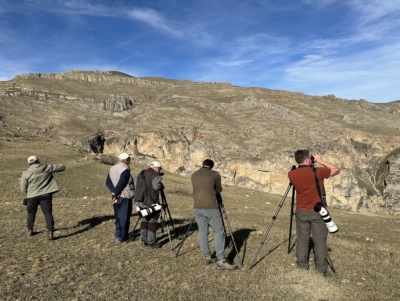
38 185
147 194
120 182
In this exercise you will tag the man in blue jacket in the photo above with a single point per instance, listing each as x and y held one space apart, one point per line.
120 183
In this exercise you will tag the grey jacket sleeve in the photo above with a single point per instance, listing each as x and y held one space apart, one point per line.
24 184
55 168
156 183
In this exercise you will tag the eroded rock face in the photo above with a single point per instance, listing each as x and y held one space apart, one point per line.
251 134
270 175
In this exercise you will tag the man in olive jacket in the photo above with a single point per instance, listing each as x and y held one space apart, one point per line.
206 186
38 185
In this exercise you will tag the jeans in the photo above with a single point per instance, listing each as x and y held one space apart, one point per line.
204 219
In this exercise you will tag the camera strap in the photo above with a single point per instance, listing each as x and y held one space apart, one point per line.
323 199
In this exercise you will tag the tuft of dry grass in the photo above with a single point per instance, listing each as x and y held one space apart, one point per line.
86 262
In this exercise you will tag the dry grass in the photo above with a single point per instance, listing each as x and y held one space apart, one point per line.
87 263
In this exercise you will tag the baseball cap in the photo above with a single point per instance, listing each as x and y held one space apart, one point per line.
124 156
32 159
156 164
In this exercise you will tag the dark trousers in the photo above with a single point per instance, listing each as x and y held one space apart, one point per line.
123 211
46 204
310 222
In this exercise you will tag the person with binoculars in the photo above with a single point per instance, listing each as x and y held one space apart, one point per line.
206 190
306 180
148 187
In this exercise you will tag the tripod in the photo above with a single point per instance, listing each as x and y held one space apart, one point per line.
166 220
272 222
224 217
330 262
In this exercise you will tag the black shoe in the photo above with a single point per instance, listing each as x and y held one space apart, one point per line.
153 246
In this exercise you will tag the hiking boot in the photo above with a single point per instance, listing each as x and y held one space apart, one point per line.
224 265
153 246
30 232
207 260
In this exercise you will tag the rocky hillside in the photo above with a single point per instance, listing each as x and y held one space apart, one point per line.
251 133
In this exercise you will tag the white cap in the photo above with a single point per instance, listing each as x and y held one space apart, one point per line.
124 156
155 164
32 159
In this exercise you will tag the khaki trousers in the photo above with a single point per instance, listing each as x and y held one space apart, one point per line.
311 223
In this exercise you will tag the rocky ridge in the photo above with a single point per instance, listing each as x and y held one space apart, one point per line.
251 133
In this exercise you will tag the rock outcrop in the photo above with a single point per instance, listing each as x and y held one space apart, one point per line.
250 133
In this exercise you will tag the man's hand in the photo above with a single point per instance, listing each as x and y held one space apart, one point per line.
317 158
114 200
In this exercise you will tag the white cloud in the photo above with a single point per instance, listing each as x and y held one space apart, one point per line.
357 74
155 20
234 63
372 10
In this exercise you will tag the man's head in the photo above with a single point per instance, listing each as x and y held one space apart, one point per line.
302 156
156 166
125 158
33 160
208 163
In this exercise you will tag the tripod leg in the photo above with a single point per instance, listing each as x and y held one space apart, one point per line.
164 202
184 238
169 236
133 231
225 215
291 221
270 226
330 263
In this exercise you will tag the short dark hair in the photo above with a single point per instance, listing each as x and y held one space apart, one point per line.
208 162
300 155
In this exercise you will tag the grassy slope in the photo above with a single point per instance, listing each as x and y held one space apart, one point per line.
87 263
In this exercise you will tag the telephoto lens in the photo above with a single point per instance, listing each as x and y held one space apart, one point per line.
147 211
330 224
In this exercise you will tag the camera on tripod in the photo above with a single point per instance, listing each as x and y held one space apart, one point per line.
330 224
143 212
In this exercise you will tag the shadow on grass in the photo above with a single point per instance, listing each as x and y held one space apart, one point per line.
271 250
87 225
240 236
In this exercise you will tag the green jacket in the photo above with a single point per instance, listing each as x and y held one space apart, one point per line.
39 180
206 185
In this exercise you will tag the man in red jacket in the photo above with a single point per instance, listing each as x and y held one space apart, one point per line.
308 221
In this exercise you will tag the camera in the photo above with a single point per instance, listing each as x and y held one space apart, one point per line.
330 224
143 212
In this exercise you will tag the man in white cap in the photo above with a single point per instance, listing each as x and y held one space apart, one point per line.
147 193
39 185
120 183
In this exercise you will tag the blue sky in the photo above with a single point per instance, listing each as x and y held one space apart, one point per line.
347 48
